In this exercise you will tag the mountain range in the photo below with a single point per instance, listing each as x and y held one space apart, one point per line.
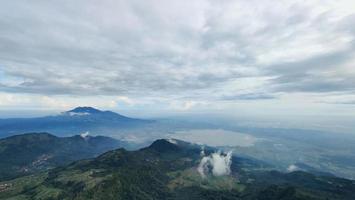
75 121
170 169
35 152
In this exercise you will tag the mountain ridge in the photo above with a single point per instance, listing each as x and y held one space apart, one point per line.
34 152
158 173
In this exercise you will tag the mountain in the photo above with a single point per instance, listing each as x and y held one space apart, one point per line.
167 169
93 112
75 121
33 152
164 146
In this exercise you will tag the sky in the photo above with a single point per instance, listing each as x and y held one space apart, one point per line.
279 58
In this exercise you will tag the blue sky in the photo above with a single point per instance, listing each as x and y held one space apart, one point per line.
276 58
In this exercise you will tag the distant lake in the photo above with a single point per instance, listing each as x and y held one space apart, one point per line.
216 137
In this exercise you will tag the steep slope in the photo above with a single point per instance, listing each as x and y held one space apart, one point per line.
167 170
78 120
33 152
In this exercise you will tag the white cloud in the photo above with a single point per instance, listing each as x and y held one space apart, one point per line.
126 100
219 163
24 101
292 168
85 135
131 47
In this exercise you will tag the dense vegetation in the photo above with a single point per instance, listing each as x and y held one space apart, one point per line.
168 171
34 152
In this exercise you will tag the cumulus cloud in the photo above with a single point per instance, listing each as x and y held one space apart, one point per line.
218 163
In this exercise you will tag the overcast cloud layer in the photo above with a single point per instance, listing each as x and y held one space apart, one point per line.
183 54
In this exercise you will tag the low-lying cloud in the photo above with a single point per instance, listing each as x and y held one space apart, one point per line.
292 168
217 163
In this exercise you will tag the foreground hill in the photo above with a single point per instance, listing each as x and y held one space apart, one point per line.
167 169
33 152
78 120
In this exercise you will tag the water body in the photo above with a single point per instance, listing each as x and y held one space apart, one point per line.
216 137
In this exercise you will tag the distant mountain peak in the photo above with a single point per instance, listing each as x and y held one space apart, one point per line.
163 145
89 110
82 111
72 121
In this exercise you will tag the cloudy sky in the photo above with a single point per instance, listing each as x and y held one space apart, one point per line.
290 57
